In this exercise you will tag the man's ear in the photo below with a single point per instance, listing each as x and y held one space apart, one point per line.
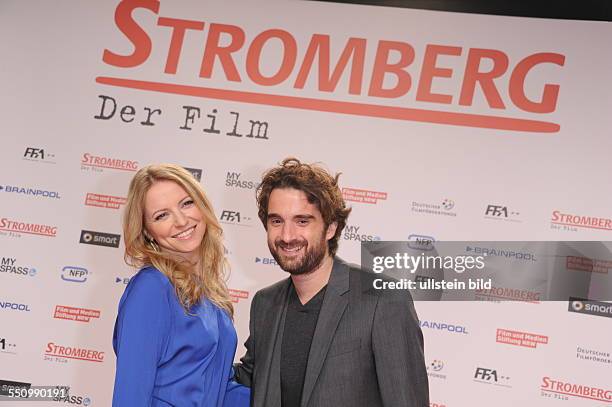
331 230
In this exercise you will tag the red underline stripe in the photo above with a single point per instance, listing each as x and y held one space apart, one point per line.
74 357
359 109
575 395
105 166
580 226
31 233
507 298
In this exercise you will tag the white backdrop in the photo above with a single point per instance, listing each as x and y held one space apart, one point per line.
401 125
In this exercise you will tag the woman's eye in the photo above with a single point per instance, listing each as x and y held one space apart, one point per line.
160 216
188 202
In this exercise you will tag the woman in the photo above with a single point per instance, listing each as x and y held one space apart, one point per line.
174 338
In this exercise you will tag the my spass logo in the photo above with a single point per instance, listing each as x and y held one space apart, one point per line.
73 399
235 180
10 266
356 233
99 238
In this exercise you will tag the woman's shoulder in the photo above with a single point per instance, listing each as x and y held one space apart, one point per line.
148 279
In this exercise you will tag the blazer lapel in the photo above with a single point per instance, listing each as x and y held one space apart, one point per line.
331 312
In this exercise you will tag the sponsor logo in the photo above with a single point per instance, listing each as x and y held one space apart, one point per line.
16 228
435 368
491 376
237 295
124 280
13 306
593 355
234 218
9 265
421 242
354 232
432 404
75 314
266 261
501 212
99 238
363 195
40 155
59 353
497 252
443 208
35 192
591 307
195 172
7 346
577 263
100 163
518 338
74 399
571 222
563 390
6 385
104 201
443 326
234 180
74 274
497 294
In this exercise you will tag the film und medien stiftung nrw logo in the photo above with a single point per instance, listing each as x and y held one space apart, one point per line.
99 238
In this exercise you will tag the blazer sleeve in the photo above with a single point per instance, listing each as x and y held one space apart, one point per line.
243 371
141 332
397 343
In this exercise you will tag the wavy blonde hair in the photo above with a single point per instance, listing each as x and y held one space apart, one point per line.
191 285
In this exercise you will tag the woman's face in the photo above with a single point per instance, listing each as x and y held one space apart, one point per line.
173 219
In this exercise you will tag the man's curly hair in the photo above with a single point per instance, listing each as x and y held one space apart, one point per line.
319 186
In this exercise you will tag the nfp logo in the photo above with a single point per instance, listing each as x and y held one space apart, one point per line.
4 305
74 274
99 238
421 242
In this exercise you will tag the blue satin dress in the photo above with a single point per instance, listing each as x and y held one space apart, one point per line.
168 358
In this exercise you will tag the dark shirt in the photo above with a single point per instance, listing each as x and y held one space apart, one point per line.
300 324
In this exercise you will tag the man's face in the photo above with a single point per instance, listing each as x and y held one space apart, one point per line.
297 236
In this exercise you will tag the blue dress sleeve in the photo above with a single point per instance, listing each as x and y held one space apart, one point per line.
141 332
236 394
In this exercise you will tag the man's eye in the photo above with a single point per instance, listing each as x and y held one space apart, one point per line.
275 221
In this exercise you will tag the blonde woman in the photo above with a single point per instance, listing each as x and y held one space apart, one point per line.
174 337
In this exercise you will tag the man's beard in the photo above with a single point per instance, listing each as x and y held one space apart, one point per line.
307 264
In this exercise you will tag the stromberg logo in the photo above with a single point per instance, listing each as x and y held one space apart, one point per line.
39 155
56 353
444 207
497 252
233 180
99 238
9 265
491 376
442 326
571 222
501 212
74 400
15 228
237 295
354 232
35 192
104 201
386 72
74 274
6 385
421 242
591 307
266 261
195 172
13 306
99 163
7 347
497 294
517 338
593 355
560 389
234 218
434 369
363 195
75 314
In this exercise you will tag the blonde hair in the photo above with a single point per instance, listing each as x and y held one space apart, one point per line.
191 285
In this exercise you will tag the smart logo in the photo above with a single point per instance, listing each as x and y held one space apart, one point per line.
99 238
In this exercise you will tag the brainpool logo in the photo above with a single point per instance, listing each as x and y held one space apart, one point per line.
591 307
122 280
13 306
501 212
234 180
29 191
74 274
443 326
266 261
434 369
99 238
354 232
37 154
9 265
500 252
443 207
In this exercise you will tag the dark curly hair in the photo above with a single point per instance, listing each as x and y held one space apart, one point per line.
319 186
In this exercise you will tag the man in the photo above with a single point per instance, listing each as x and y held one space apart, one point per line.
324 336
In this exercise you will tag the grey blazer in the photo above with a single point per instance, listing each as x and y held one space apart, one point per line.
367 349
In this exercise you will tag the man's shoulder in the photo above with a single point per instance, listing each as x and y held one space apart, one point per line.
371 284
272 291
